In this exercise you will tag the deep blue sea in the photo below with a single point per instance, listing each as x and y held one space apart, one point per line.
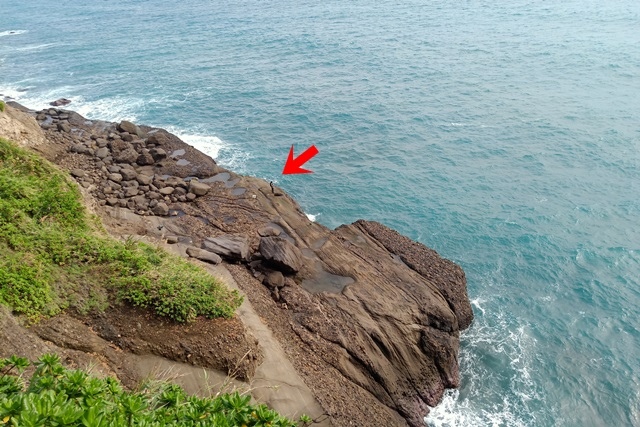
506 135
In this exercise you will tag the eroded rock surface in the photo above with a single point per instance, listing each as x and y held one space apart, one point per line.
369 318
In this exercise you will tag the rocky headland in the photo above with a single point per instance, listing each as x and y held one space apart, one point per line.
352 325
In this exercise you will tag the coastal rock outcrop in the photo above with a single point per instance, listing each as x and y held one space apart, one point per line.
369 318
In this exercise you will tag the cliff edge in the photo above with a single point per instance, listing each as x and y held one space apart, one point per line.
368 318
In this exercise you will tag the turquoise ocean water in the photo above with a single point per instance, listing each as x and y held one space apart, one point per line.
506 135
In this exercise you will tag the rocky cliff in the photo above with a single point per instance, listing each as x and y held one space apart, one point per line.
369 319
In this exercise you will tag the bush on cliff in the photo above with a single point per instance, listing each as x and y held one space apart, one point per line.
55 255
2 106
55 396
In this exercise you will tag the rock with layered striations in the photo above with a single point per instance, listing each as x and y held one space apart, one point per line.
370 319
280 254
233 247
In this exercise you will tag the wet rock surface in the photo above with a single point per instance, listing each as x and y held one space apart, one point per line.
369 318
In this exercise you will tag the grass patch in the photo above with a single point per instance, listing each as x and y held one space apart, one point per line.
2 106
55 396
56 256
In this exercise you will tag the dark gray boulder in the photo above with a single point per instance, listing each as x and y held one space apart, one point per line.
126 156
231 246
145 159
281 254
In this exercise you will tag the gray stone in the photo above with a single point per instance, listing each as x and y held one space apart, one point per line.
190 197
64 127
204 255
78 173
172 239
157 139
158 154
130 192
60 102
166 191
269 231
115 177
101 142
126 156
112 201
179 191
141 202
80 149
126 126
114 169
119 145
198 188
145 159
274 279
102 152
174 181
128 174
152 195
144 179
281 254
161 209
232 246
127 137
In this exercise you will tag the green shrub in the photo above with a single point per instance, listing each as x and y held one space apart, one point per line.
2 106
56 396
54 255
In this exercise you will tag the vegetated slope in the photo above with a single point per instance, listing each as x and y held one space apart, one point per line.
55 255
60 397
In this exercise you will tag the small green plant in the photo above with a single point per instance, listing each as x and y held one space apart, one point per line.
56 256
2 106
305 420
56 396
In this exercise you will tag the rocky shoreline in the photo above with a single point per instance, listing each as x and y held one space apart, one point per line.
368 319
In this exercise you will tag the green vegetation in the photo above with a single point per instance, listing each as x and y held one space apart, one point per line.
54 255
55 396
2 106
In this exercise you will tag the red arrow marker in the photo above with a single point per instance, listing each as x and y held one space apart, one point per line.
293 166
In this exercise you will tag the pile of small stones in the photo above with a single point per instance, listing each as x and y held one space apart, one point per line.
120 171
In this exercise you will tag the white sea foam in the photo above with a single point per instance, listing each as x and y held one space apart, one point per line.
492 336
35 47
12 32
113 109
476 303
312 217
210 145
225 154
37 100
